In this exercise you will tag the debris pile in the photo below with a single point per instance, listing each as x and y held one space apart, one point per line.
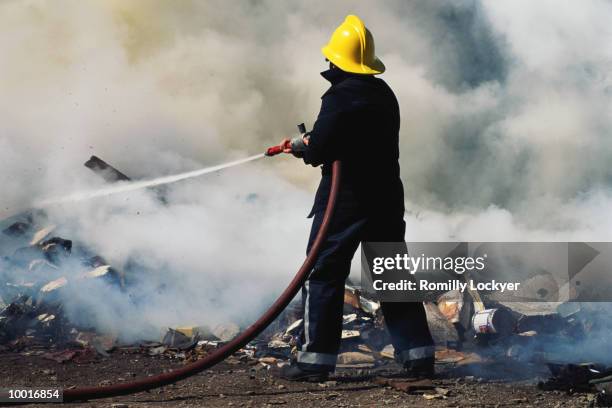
468 331
364 339
575 377
42 265
471 334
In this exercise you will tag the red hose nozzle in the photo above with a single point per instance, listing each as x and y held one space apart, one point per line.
274 150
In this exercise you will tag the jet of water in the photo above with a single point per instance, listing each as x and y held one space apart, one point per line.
123 187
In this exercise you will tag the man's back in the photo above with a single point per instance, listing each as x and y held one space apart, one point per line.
359 124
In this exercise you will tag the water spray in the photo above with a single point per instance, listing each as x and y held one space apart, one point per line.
127 186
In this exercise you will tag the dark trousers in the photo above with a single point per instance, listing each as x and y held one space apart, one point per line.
323 293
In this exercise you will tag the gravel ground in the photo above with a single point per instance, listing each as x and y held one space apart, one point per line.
248 384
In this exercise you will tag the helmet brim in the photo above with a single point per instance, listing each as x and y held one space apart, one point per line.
375 68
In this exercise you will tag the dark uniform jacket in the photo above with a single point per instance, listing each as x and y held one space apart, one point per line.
359 124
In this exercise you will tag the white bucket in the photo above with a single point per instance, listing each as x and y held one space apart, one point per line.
493 321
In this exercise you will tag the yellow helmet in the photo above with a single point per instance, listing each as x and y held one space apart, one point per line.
351 48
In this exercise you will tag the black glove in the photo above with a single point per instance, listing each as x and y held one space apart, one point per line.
298 147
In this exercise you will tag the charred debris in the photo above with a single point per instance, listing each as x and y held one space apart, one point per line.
474 338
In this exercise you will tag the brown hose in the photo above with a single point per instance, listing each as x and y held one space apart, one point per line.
88 393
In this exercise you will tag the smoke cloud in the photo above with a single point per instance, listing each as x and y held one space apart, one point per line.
505 132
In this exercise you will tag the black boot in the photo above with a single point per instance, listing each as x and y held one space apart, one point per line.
294 372
421 368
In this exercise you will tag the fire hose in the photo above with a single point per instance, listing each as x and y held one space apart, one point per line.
242 339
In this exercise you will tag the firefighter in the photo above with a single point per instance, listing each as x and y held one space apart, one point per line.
358 124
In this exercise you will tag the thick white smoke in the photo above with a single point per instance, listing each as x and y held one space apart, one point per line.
505 130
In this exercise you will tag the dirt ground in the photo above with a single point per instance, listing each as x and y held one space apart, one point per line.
249 384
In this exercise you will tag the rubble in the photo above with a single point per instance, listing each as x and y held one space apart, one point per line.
105 170
33 316
293 327
111 175
41 234
469 332
17 229
576 377
410 386
453 320
603 386
226 332
201 332
178 340
353 298
443 331
54 285
356 359
349 334
31 312
79 356
103 344
388 351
